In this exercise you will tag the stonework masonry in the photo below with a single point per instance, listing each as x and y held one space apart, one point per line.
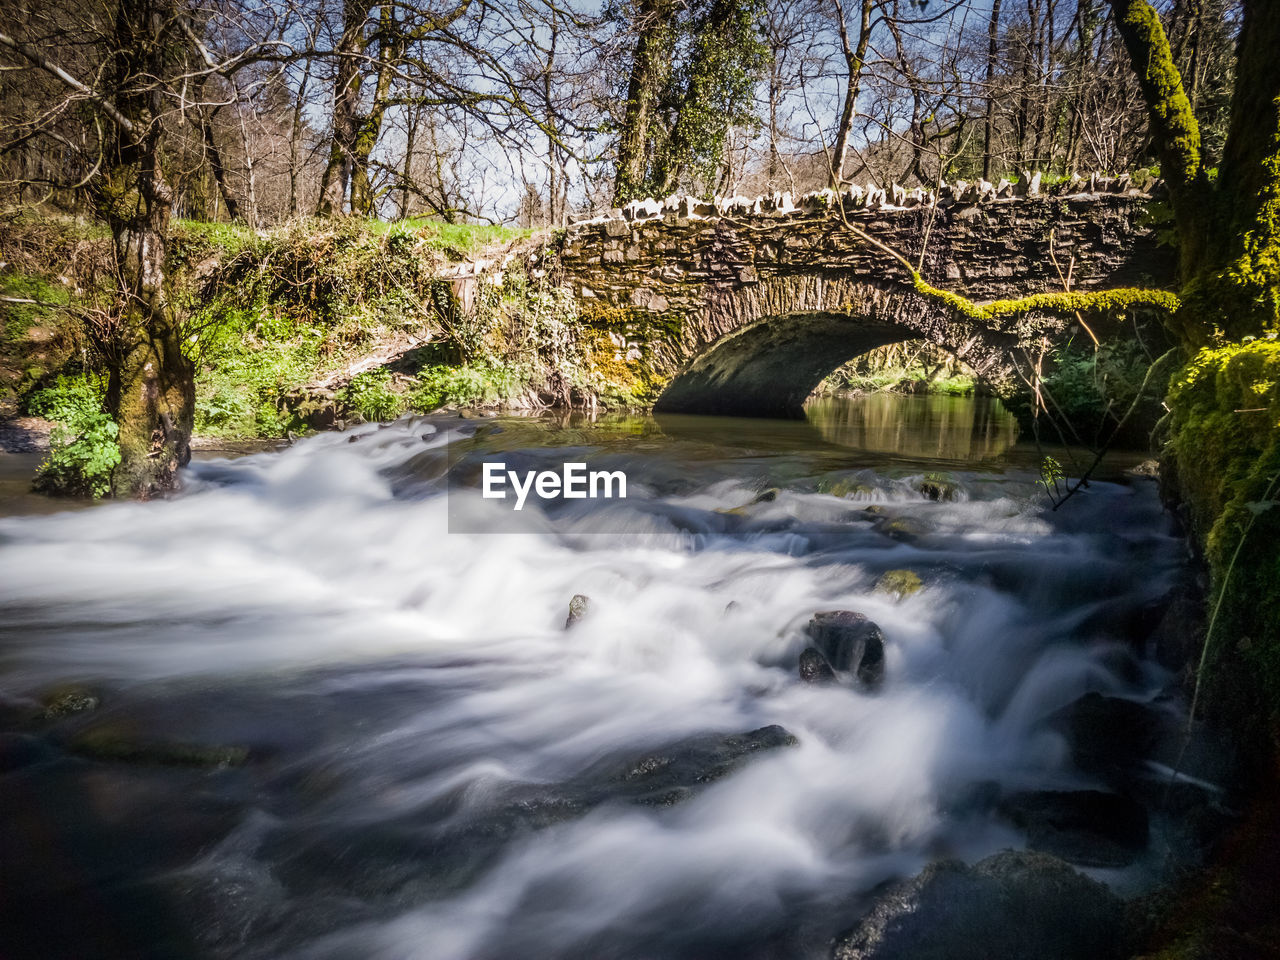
762 298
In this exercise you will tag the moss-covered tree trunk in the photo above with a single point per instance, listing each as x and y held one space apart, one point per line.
151 390
1225 403
649 68
363 199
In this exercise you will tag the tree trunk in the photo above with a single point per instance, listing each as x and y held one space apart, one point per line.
1086 23
775 94
369 128
993 48
251 175
151 388
214 156
406 172
297 126
854 57
336 179
648 68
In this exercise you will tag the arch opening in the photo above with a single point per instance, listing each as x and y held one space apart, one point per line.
770 367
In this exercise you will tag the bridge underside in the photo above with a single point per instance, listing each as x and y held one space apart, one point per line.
769 368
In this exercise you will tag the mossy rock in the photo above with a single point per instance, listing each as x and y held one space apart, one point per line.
845 489
66 700
766 496
905 529
938 488
118 743
578 607
899 583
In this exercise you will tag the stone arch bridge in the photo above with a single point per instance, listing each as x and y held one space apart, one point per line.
761 299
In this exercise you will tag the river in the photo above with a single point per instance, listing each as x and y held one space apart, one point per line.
295 716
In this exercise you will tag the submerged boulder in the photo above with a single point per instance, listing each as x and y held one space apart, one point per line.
122 742
1109 736
851 643
938 488
903 528
68 699
1090 828
899 583
1016 904
671 774
765 496
814 667
579 604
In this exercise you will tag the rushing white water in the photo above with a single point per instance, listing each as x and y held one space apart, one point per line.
427 740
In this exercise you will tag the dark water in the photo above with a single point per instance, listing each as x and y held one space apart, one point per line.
328 727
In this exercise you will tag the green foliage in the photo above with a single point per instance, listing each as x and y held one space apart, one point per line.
1091 387
960 385
467 385
457 239
294 306
18 316
1051 475
83 450
53 269
711 90
226 238
68 399
247 367
704 59
909 367
370 394
287 307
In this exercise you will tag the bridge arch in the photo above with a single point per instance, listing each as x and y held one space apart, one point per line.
769 368
783 335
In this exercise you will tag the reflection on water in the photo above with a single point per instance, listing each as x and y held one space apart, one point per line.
932 427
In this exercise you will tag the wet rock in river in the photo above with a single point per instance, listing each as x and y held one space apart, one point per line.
845 488
452 841
1109 736
578 607
851 643
766 496
120 743
938 488
814 667
1015 904
1175 642
903 528
66 700
899 583
1085 827
672 773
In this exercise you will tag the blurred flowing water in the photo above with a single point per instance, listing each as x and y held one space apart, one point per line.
435 767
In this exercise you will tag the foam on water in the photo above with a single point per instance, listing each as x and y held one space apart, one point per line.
329 568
